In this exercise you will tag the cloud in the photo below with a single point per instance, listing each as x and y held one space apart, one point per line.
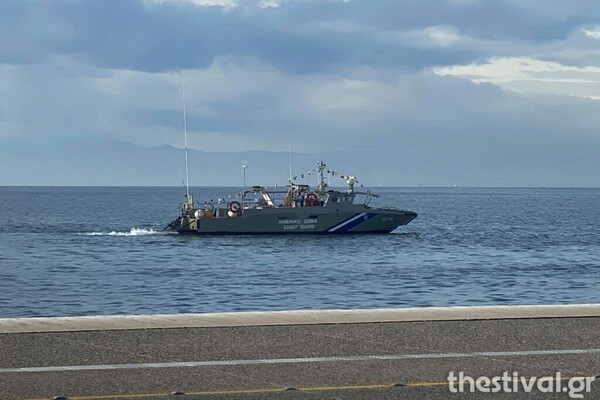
230 4
227 4
269 3
593 33
528 75
166 35
443 36
453 85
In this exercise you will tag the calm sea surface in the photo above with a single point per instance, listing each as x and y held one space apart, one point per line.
88 251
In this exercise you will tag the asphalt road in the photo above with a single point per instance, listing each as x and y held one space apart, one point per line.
400 360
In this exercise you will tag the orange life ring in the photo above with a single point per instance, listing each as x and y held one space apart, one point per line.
234 207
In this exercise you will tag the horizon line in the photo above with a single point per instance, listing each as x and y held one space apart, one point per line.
285 184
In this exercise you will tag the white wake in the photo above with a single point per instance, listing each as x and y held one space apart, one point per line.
132 232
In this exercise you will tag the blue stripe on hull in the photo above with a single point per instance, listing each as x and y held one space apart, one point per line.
355 223
350 223
338 225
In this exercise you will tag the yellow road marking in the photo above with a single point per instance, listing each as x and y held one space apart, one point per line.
426 384
270 390
511 379
222 392
356 387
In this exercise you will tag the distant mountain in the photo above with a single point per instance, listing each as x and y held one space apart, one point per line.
111 163
105 163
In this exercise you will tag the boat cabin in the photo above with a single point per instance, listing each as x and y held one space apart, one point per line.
293 195
334 197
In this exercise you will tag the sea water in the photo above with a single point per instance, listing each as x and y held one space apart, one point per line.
100 250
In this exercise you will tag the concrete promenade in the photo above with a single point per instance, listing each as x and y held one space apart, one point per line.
336 354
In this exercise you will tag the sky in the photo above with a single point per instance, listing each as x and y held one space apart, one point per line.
478 92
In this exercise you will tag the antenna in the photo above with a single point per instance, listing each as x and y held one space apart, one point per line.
290 153
187 171
244 166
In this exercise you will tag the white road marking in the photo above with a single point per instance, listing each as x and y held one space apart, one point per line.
301 360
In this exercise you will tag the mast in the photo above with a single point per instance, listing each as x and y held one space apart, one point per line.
321 167
187 171
244 166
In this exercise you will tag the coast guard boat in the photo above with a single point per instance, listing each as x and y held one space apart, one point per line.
295 209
